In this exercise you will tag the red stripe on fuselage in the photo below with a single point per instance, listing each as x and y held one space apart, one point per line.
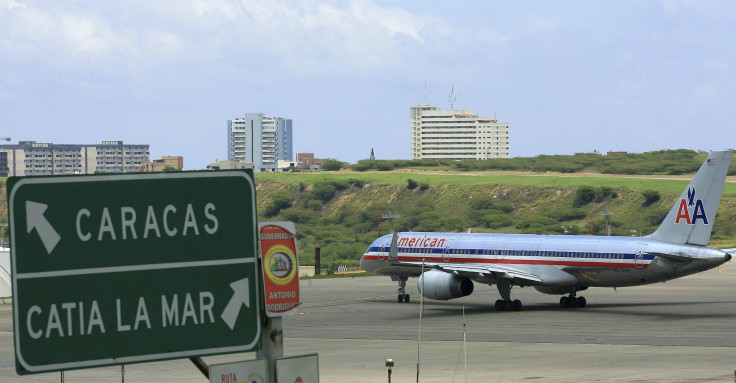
571 262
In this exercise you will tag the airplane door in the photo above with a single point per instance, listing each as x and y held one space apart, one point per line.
639 260
383 255
446 254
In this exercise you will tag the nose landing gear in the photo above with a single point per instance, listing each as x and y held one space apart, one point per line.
402 295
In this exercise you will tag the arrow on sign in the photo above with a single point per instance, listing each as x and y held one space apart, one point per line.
35 219
240 298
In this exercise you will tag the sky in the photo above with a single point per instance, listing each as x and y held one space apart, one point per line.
568 76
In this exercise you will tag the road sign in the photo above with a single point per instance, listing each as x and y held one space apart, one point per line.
251 371
301 369
280 267
116 269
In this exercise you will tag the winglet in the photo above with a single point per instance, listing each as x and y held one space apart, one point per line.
690 221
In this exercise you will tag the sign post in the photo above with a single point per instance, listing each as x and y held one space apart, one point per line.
117 269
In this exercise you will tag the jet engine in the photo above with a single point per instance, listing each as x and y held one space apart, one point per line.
444 286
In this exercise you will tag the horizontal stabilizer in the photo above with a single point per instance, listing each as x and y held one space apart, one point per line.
673 257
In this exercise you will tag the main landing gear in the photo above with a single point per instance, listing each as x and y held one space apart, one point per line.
402 295
572 301
506 304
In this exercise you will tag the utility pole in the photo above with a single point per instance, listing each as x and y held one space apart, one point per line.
607 213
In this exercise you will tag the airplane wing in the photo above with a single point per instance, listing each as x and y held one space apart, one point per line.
475 270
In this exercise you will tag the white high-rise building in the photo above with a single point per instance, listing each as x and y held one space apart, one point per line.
260 140
456 135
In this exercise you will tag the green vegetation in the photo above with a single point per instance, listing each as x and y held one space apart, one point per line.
332 165
665 162
338 210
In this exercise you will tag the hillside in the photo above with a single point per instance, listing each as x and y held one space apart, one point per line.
338 211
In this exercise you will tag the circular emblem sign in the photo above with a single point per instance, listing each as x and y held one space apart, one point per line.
280 264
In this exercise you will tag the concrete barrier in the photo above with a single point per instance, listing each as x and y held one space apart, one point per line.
6 280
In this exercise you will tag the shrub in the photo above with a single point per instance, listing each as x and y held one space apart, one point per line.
583 196
279 201
332 165
385 166
323 191
299 215
650 197
411 184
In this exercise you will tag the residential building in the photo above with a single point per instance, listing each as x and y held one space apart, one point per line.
306 160
456 135
163 163
260 139
31 158
229 165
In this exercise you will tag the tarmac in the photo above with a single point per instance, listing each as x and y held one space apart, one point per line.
680 331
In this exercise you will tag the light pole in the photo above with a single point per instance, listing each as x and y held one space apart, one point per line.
389 364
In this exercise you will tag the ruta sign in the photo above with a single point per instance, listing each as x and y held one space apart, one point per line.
280 267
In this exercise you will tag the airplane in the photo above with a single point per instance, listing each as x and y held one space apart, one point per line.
447 264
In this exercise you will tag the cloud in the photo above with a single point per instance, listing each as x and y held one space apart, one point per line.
305 37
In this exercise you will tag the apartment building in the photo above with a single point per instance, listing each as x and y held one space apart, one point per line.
173 163
456 135
31 158
260 140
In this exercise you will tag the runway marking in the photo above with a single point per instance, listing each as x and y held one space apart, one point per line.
725 268
709 379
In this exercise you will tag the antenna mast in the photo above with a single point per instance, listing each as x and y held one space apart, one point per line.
452 98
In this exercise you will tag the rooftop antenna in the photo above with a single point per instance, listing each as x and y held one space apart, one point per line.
452 98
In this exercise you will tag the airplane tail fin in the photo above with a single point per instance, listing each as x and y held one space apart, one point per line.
690 220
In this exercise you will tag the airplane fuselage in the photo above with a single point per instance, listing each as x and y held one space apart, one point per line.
592 261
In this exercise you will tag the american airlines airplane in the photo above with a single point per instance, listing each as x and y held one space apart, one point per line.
447 264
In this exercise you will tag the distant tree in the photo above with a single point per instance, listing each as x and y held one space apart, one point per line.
168 169
332 165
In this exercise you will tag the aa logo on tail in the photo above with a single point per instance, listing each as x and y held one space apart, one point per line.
684 212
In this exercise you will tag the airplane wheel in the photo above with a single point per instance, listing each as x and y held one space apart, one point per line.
572 302
517 305
406 298
508 305
563 302
499 305
582 302
401 298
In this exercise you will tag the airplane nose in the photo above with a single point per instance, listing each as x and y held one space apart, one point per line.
728 257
